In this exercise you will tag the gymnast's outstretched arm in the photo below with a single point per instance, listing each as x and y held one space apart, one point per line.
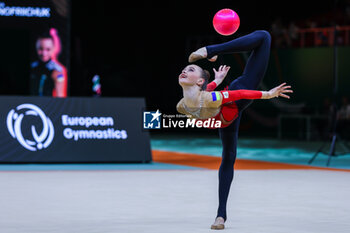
218 98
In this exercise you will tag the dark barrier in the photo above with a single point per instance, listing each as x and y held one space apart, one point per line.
44 129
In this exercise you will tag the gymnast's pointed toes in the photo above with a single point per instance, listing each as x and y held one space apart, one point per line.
197 55
194 57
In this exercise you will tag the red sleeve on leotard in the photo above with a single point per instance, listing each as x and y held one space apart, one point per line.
228 96
211 86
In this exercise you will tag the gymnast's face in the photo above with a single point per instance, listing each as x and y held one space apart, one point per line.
191 75
44 48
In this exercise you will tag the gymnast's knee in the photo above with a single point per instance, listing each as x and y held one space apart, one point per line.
263 34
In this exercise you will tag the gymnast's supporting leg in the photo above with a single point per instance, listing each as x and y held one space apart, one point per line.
228 138
259 42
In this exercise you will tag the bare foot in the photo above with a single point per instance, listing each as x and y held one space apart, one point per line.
219 224
197 55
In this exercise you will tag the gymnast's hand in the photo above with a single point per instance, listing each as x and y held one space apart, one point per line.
220 74
279 91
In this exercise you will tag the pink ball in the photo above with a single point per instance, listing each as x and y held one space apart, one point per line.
226 22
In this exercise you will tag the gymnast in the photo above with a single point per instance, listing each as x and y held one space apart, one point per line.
200 101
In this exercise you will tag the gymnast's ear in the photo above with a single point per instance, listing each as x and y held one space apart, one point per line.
205 79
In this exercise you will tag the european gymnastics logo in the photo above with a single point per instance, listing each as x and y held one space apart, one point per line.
41 139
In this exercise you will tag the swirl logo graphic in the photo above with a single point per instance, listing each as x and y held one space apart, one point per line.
14 125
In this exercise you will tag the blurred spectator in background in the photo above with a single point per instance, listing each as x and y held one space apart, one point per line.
279 34
47 74
293 35
344 111
310 23
344 118
317 30
322 39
